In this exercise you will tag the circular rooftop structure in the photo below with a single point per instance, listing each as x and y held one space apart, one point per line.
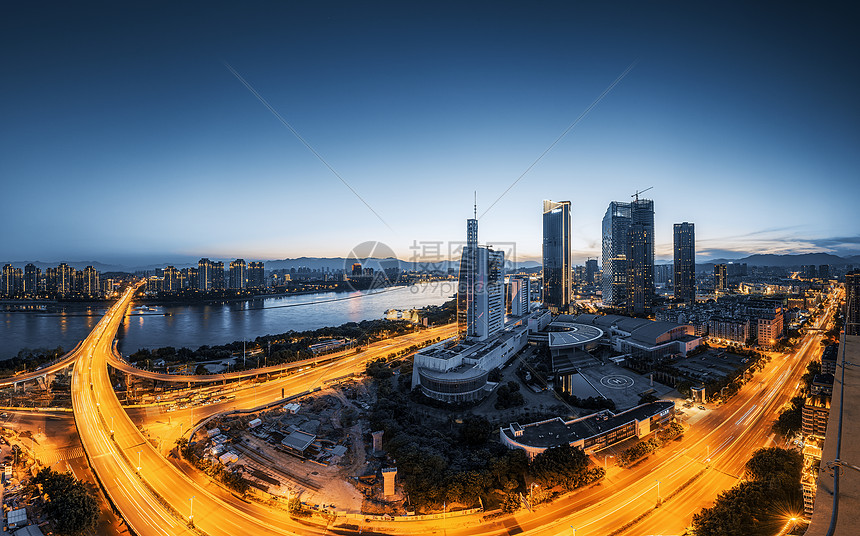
572 335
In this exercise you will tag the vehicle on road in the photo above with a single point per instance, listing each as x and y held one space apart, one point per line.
701 407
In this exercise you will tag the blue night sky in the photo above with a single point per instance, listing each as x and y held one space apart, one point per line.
126 138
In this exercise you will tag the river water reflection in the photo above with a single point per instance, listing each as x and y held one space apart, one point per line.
194 325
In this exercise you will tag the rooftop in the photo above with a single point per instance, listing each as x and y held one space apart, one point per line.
557 431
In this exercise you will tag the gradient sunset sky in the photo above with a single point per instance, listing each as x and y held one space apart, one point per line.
126 137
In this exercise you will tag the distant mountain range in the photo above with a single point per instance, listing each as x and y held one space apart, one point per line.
338 263
784 261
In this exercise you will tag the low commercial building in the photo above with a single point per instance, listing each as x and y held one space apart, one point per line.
593 432
642 338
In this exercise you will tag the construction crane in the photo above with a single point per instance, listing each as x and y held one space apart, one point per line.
636 195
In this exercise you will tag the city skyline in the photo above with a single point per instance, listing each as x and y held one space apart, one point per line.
161 151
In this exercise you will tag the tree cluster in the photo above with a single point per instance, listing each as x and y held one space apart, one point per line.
70 503
283 348
643 448
761 505
790 419
673 431
459 461
193 453
29 359
509 396
592 402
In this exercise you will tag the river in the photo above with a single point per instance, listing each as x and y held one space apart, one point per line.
194 325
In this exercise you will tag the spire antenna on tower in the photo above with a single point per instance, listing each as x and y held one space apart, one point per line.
476 204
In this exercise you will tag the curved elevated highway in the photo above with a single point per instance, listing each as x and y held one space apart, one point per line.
65 361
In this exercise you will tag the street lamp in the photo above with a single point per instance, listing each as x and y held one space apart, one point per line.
138 460
658 490
191 511
604 460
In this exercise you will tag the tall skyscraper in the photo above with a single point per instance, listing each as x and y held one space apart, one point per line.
481 288
628 255
616 221
685 262
256 275
204 274
852 303
556 255
640 257
591 270
238 274
720 277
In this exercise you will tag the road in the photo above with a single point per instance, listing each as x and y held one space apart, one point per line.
64 361
141 482
725 435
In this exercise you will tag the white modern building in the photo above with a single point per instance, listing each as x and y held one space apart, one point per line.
456 370
481 288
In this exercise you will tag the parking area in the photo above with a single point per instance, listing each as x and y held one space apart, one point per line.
711 365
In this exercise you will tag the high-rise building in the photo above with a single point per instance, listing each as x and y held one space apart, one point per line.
616 222
218 282
238 274
481 289
591 270
852 303
628 255
685 262
90 280
520 291
204 274
256 275
824 271
9 281
172 280
65 279
720 277
32 274
356 269
192 277
556 255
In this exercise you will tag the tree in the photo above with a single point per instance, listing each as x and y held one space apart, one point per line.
790 420
563 465
71 504
757 507
475 430
774 463
647 398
